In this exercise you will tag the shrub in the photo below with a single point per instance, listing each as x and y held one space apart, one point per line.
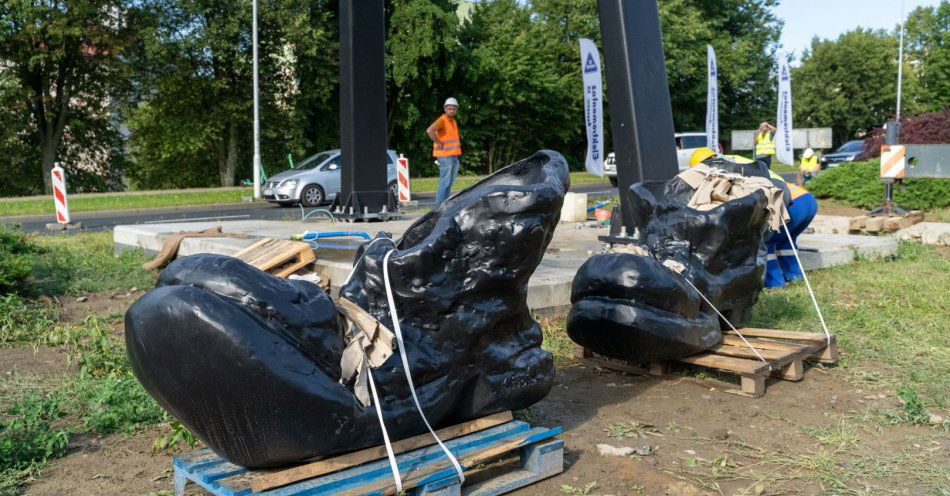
120 404
858 184
924 129
16 259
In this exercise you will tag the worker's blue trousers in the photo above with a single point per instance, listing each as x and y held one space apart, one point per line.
781 265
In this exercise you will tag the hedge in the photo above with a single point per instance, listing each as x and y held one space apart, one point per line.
858 184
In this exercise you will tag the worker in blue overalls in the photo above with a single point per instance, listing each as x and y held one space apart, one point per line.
781 265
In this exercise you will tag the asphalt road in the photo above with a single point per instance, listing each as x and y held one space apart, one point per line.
105 221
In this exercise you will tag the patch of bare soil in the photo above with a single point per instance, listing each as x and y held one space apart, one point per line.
700 441
826 209
111 465
39 361
77 308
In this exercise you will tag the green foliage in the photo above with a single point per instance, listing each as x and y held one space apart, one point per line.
120 404
16 259
858 184
927 48
913 411
849 84
63 77
176 435
22 320
27 436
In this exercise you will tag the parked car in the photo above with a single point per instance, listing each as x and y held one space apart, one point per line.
844 154
316 180
686 144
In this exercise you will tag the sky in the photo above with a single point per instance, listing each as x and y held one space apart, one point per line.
805 19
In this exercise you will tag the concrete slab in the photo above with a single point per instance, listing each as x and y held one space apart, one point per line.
549 288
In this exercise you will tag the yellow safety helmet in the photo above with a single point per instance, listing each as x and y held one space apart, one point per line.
699 155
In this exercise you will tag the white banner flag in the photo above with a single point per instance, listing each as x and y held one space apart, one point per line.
593 106
783 118
712 100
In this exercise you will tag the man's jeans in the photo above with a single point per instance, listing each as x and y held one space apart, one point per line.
448 169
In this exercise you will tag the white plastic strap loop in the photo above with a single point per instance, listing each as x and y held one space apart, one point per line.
405 366
811 293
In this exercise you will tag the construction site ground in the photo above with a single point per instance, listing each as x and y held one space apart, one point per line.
871 424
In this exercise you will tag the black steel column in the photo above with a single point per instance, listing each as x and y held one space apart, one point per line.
641 117
363 192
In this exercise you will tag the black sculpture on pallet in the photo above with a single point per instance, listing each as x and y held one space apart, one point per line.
251 363
632 306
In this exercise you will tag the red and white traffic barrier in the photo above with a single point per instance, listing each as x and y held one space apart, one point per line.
402 177
59 194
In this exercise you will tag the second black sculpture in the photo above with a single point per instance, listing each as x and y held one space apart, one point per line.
251 363
644 304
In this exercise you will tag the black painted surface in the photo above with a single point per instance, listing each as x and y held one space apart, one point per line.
631 307
249 362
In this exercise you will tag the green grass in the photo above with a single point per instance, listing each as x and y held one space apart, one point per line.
890 318
84 263
121 201
157 199
888 315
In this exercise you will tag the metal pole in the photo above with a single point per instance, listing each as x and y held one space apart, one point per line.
900 63
257 114
641 118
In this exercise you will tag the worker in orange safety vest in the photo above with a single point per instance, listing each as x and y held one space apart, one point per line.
446 148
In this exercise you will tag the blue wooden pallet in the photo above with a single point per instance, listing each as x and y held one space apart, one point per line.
425 471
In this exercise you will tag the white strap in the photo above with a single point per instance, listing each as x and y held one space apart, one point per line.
821 318
405 366
393 466
744 340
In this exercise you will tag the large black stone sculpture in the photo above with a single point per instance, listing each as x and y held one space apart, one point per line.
633 307
251 363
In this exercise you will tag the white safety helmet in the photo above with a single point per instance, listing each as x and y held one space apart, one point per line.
809 153
451 101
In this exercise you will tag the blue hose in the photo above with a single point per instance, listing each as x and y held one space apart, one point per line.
599 205
308 236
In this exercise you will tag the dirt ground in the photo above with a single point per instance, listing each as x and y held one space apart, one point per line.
700 440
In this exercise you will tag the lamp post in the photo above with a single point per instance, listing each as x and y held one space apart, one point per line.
257 115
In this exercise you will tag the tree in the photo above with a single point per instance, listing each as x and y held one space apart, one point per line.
194 124
848 84
927 47
63 65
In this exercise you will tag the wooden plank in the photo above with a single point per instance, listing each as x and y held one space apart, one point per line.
267 480
743 351
766 344
283 253
775 333
659 368
617 365
793 371
753 386
580 352
253 247
413 477
740 365
304 259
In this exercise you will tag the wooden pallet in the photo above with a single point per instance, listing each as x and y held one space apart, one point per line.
785 352
884 223
424 470
280 257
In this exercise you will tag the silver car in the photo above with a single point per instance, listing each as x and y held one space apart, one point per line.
316 180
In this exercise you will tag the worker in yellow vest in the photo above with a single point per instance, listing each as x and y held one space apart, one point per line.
446 148
809 166
781 265
765 143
